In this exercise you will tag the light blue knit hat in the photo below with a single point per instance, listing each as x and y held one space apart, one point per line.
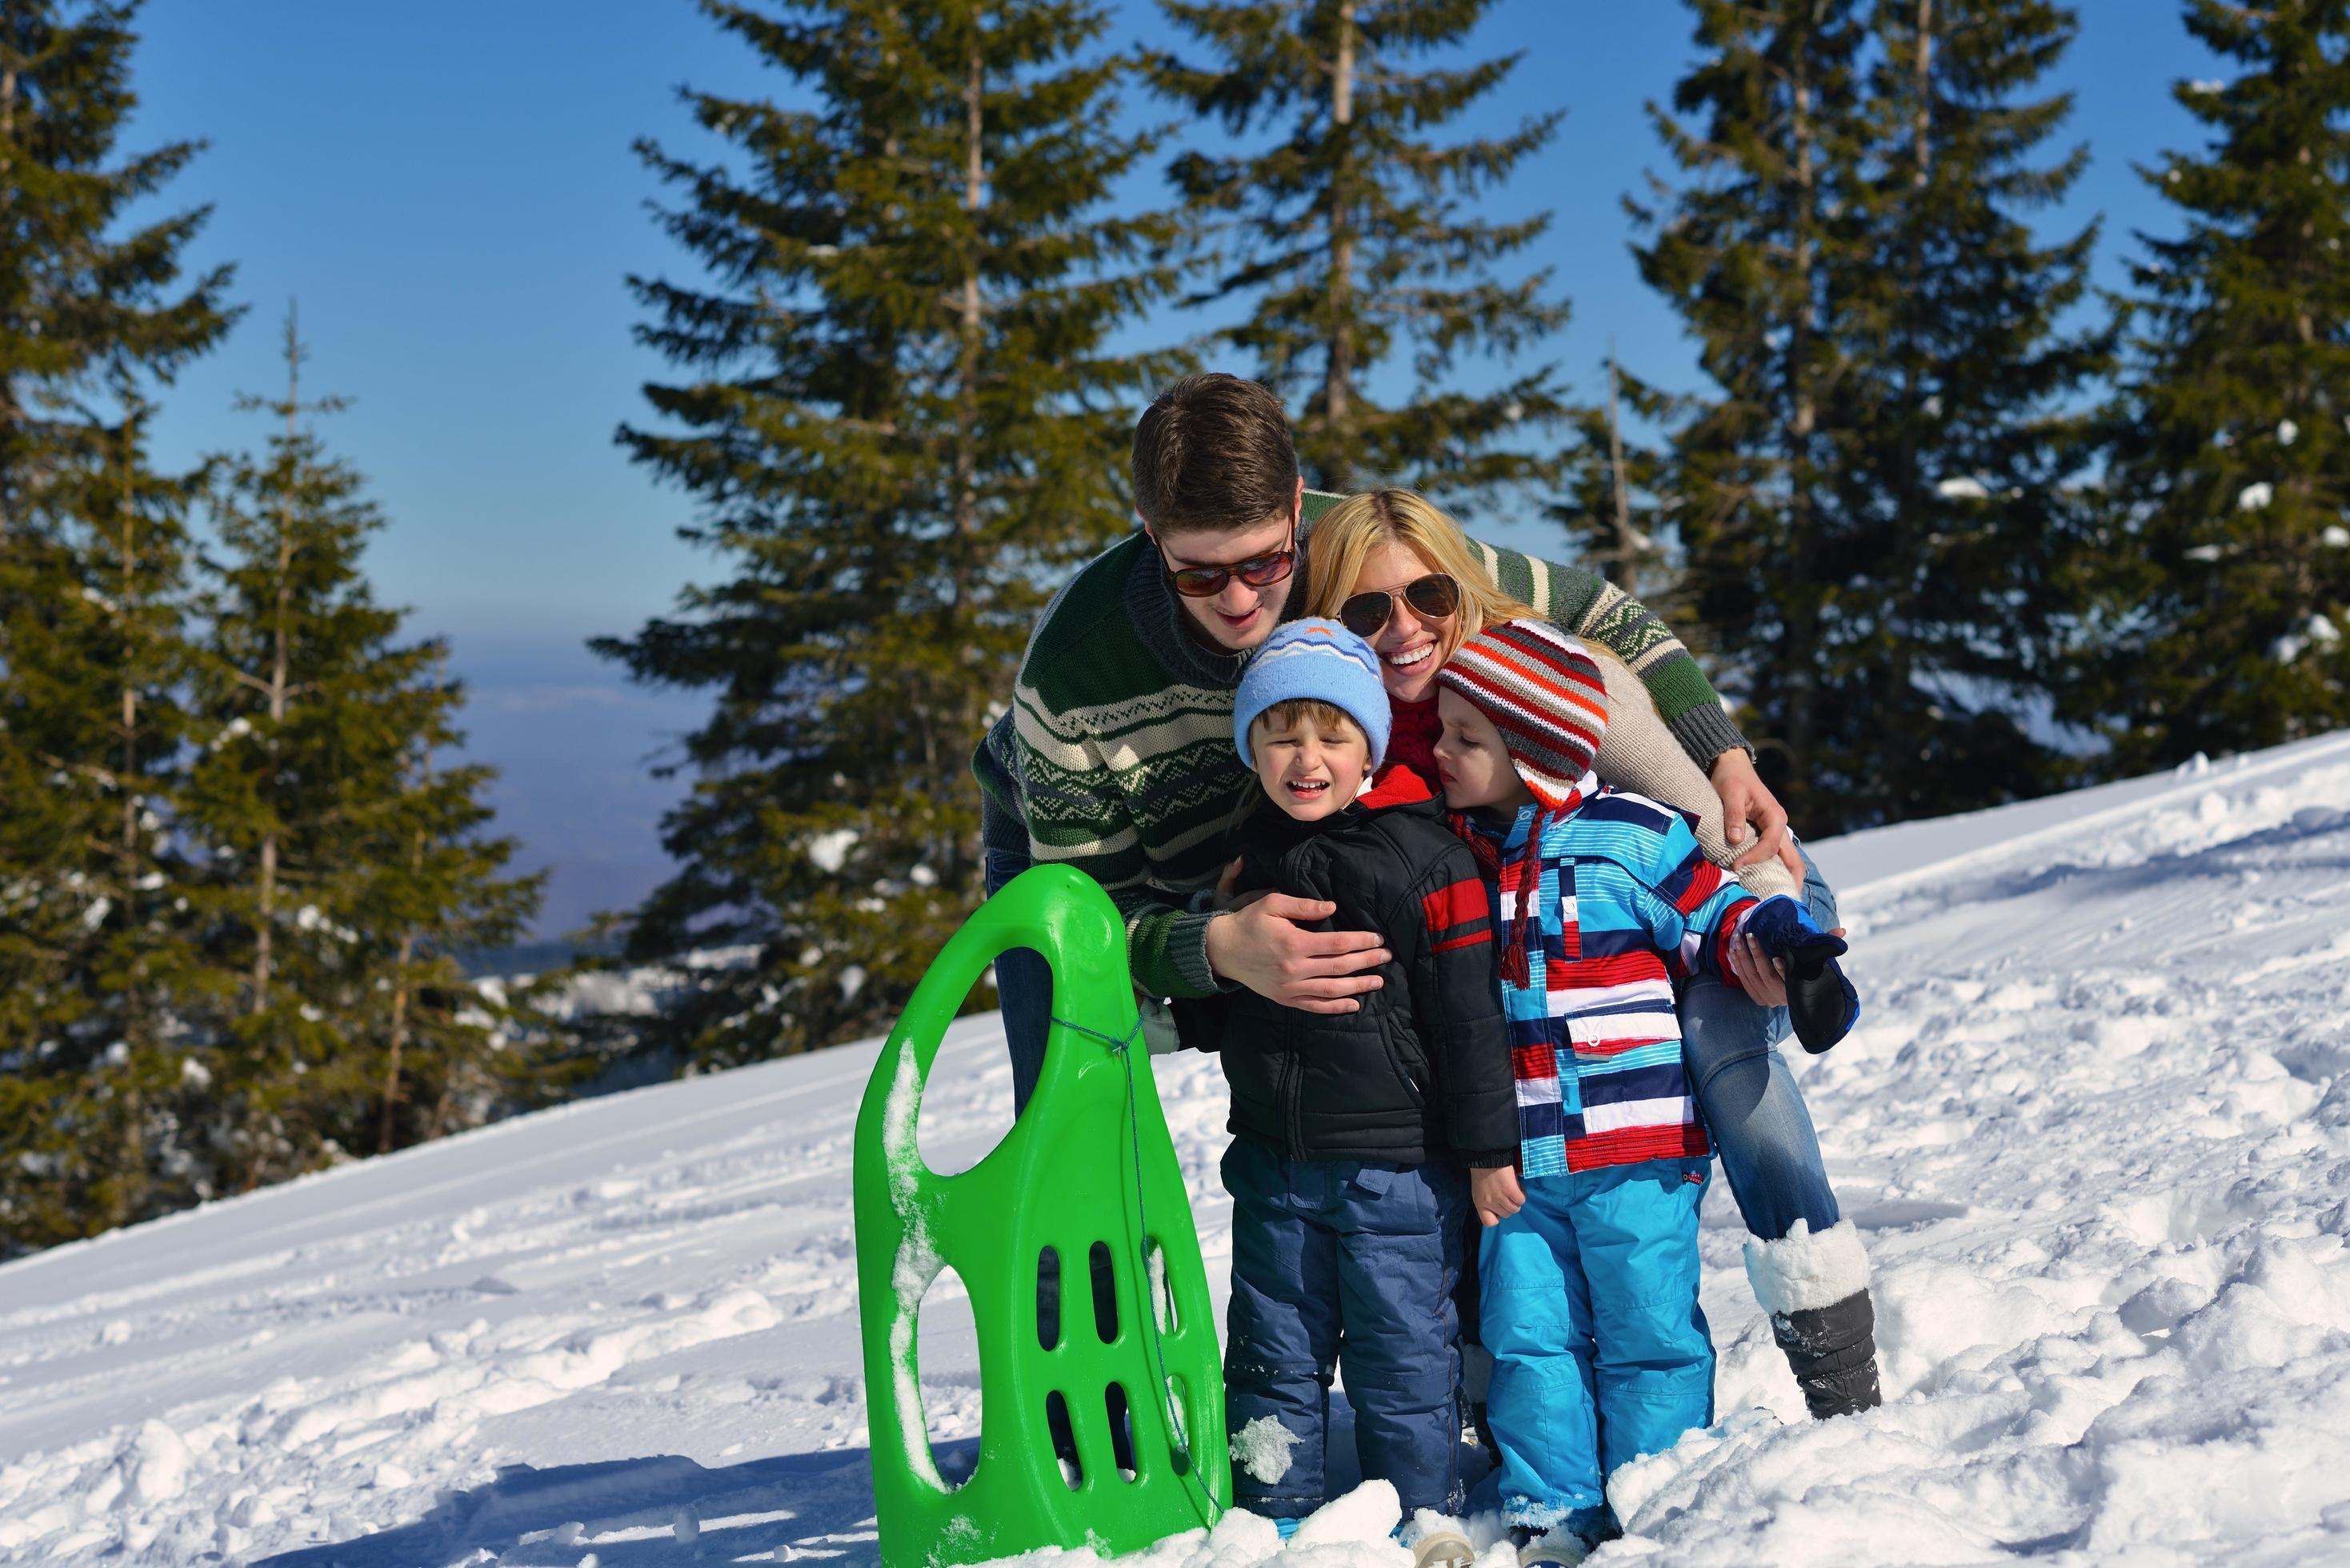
1318 661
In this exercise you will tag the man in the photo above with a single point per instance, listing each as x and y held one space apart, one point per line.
1116 755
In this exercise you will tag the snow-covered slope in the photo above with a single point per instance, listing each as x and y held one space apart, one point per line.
2096 1126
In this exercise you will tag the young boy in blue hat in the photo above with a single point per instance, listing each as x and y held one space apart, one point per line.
1352 1132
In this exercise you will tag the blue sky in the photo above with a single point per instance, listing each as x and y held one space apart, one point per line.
449 190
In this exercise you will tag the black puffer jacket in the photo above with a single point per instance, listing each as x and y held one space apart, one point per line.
1422 1072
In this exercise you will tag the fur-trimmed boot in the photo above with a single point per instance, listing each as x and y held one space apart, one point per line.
1816 1289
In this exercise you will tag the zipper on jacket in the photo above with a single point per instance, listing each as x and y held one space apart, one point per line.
1292 1111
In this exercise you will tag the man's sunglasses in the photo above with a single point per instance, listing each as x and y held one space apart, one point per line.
1435 596
1257 572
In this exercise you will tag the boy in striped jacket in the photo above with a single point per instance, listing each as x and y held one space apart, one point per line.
1601 900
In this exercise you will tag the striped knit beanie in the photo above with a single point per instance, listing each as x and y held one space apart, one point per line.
1317 661
1543 694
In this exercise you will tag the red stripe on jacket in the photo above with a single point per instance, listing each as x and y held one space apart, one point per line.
1630 1145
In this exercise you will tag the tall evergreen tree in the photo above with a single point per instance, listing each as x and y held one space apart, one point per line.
102 966
1356 237
1767 126
1959 449
1871 499
1613 500
335 844
448 1053
96 965
2225 551
905 420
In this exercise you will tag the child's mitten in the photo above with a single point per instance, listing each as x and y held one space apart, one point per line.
1820 1000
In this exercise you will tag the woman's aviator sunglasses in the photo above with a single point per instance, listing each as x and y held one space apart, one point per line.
1257 572
1435 596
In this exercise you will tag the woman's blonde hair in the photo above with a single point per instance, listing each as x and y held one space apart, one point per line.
1347 535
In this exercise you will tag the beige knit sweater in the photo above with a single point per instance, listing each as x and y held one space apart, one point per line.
1639 754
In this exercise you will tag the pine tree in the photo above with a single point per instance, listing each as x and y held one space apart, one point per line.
907 421
2225 546
103 968
1614 502
97 967
1767 128
1356 237
345 869
449 1053
1871 498
1961 450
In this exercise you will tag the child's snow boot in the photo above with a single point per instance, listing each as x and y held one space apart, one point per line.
1816 1289
1564 1547
1437 1544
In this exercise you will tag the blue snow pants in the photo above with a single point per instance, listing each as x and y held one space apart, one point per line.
1345 1265
1600 1351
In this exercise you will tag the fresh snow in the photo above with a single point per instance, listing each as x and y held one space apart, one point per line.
1262 1448
2094 1130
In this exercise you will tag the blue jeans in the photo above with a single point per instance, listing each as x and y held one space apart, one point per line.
1752 1109
1342 1262
1023 981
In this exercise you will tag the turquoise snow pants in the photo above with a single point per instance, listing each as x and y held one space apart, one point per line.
1600 1351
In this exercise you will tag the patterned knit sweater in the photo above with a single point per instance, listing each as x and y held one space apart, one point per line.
1626 903
1117 750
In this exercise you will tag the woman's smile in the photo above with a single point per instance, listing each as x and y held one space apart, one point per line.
1410 656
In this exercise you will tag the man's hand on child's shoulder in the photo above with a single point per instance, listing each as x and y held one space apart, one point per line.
1263 943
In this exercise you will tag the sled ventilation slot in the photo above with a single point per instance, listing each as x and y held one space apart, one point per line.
1121 1429
1048 1298
1160 1285
1105 1293
1178 1396
1065 1440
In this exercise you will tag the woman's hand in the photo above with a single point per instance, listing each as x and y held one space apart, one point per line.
1751 816
1496 1194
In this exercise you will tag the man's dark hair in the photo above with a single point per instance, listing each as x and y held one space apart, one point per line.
1212 453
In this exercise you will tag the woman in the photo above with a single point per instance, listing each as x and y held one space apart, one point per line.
1400 573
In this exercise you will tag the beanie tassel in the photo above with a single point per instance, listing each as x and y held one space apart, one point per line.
1517 967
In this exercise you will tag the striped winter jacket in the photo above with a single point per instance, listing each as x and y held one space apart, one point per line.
1628 903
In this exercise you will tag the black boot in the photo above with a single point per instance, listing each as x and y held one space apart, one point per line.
1833 1350
1816 1289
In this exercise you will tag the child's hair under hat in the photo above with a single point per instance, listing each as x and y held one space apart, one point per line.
1301 711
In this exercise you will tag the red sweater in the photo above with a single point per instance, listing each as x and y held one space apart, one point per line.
1409 772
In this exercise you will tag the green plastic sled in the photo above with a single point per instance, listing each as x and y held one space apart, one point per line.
1088 1165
